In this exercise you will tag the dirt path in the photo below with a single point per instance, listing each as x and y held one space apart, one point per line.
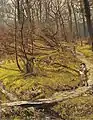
89 65
81 90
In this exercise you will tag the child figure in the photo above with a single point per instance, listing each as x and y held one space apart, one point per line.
83 74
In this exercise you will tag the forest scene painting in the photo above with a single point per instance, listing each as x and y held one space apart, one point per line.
46 59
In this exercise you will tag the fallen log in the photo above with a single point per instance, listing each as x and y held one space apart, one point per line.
60 97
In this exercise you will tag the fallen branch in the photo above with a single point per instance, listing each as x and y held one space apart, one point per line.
54 99
67 67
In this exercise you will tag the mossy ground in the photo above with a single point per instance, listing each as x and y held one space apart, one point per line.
86 50
80 108
49 79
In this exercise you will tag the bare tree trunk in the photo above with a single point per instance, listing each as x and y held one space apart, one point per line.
16 44
88 17
75 18
62 23
70 19
30 62
83 17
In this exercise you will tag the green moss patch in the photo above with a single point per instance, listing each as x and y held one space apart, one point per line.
49 79
80 108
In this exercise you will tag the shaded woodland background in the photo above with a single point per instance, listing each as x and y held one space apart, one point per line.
29 27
